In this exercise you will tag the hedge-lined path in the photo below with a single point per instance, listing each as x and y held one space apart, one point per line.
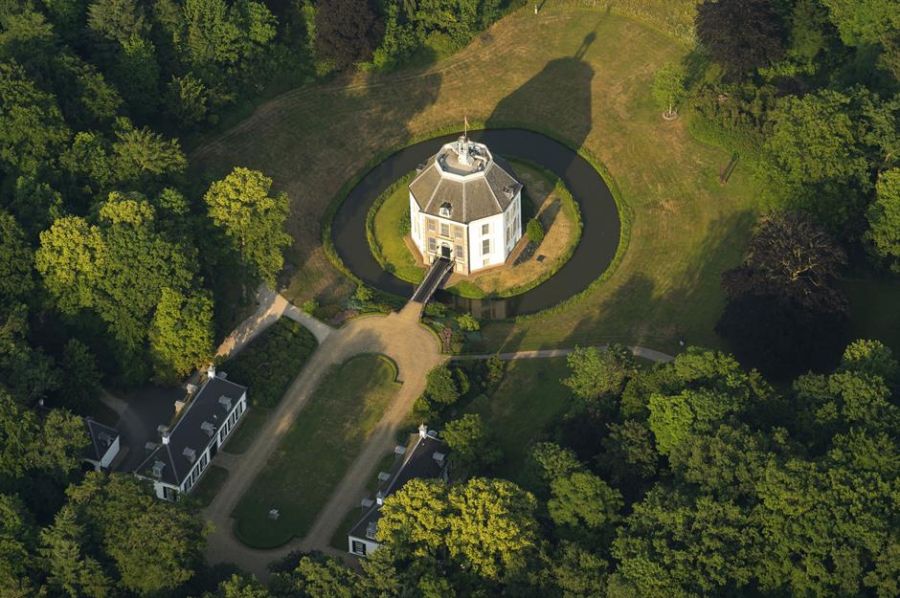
642 352
399 336
270 307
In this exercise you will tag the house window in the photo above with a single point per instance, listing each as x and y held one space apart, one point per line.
432 245
457 232
486 247
169 493
458 249
486 229
445 229
431 224
359 548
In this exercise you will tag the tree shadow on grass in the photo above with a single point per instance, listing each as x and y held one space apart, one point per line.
639 313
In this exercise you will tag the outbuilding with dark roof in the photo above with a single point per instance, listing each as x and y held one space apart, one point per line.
201 427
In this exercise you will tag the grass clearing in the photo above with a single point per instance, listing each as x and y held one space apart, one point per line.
579 73
271 361
528 402
316 451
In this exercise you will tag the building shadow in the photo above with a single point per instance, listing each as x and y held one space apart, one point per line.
557 100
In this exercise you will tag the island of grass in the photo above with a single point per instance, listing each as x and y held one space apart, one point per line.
316 452
267 366
545 200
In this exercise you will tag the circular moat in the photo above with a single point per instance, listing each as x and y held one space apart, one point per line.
591 257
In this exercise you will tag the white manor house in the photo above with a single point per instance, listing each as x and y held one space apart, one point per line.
466 207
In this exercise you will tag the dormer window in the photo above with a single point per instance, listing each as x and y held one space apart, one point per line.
445 210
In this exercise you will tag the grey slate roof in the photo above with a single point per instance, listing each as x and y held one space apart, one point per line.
188 430
418 463
485 190
102 437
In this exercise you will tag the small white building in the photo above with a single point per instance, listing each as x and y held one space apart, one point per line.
104 446
465 206
177 463
426 458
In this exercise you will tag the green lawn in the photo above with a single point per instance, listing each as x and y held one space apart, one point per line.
241 439
210 485
528 402
271 361
316 451
578 72
564 72
389 235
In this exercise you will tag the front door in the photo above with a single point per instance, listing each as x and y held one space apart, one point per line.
446 252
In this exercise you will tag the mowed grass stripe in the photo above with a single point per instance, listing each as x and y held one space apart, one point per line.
316 452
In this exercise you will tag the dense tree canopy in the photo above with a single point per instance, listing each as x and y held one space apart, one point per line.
884 219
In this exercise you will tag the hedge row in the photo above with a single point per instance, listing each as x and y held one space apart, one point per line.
271 361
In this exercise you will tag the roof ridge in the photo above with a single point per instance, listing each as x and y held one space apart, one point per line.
93 437
433 194
172 463
147 458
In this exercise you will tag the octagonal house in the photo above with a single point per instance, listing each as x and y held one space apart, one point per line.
465 206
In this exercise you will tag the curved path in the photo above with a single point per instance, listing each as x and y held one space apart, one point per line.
599 216
398 335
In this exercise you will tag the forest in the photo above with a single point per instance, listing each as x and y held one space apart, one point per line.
774 472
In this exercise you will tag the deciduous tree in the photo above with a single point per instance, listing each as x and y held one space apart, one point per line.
596 373
347 31
32 131
472 447
154 545
583 504
181 333
240 205
884 219
16 261
492 531
741 34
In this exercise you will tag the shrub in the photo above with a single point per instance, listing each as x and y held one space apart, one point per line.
441 388
534 230
468 323
271 361
310 306
363 294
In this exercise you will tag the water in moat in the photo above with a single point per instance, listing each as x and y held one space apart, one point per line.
592 256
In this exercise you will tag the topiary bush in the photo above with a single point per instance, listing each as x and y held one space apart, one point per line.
534 230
